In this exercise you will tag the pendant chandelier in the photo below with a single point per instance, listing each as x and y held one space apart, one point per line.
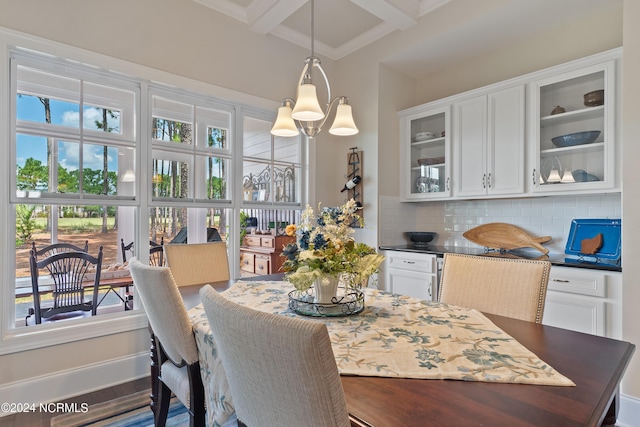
305 114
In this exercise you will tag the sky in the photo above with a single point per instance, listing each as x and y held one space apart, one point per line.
65 114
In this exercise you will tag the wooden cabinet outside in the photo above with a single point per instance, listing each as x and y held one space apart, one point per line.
260 253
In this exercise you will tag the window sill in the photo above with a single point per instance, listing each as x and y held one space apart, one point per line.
32 337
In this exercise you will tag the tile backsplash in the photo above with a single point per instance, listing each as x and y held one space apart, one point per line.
539 216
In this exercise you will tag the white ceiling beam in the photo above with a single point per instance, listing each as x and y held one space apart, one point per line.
401 14
227 7
263 16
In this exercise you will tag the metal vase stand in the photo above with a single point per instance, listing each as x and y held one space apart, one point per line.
348 301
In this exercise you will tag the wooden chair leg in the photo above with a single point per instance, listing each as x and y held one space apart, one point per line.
164 398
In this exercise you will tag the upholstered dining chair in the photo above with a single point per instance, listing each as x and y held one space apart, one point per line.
198 263
67 278
179 367
281 370
507 287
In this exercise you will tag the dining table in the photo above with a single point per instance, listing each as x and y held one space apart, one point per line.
579 384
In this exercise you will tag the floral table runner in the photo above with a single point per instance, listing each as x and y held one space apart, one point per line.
394 336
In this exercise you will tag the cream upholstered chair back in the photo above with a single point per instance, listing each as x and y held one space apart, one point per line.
508 287
198 263
178 353
282 371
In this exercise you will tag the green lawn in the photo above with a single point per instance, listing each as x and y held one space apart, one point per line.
77 224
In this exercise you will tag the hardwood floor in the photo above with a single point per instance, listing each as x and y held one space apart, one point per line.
43 419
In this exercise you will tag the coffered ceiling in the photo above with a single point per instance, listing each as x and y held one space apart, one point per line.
344 26
341 26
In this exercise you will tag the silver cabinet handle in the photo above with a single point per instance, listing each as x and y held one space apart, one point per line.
561 280
409 262
534 177
448 188
484 180
489 180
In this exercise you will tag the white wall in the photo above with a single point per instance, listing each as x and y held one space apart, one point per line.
631 193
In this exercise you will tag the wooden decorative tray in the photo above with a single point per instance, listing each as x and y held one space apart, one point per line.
500 235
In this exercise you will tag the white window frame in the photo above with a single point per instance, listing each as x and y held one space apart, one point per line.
20 339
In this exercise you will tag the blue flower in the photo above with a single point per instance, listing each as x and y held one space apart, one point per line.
304 240
290 251
319 242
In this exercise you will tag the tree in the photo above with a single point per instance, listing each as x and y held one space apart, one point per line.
104 125
33 175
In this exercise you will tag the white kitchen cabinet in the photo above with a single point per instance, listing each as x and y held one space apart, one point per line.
584 300
489 143
411 273
425 153
558 109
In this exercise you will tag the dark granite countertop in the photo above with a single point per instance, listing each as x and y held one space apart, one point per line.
557 259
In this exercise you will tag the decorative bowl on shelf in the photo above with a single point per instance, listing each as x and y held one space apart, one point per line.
577 138
558 110
423 136
430 161
421 237
595 98
580 175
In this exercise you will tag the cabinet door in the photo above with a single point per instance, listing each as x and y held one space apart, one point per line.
470 142
412 283
425 154
575 312
575 163
506 141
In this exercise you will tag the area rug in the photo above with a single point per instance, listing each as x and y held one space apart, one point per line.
127 411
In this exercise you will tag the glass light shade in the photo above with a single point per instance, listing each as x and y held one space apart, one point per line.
284 125
568 177
128 176
307 107
554 176
343 124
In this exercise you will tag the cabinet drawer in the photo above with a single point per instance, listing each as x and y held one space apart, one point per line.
267 242
247 262
575 281
252 241
425 263
262 264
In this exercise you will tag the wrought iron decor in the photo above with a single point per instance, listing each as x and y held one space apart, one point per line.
355 167
258 187
350 301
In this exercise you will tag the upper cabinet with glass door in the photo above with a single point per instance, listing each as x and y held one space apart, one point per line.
425 153
573 139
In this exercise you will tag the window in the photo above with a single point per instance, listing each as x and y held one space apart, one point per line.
271 165
69 166
90 167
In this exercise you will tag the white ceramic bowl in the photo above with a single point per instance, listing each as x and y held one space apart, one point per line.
422 136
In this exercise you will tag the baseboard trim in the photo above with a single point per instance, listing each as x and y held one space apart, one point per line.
629 412
69 383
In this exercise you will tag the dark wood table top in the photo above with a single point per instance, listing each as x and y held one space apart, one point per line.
595 364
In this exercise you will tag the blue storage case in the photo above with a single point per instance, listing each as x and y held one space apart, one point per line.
588 228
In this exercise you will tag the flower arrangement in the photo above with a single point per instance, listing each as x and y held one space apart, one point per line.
325 247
